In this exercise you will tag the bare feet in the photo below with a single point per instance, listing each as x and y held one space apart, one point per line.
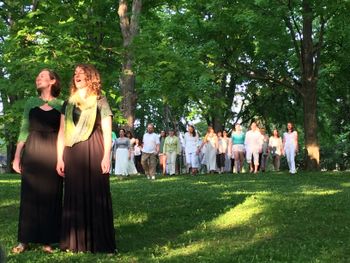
20 248
47 249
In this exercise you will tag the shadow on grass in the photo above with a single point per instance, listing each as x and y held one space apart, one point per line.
170 208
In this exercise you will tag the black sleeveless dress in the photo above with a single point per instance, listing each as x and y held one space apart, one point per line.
87 223
41 186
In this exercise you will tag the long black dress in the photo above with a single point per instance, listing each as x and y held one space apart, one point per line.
41 186
87 223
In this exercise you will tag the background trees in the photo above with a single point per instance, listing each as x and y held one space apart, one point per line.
216 61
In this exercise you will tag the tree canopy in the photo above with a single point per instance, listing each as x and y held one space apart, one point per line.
213 61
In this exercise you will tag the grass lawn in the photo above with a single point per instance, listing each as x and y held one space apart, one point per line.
271 217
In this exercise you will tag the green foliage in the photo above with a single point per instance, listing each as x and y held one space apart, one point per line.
57 36
192 61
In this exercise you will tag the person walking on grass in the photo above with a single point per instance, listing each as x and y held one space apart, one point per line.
290 146
238 149
276 149
35 159
211 143
264 155
191 145
221 152
162 154
171 149
150 151
122 154
253 143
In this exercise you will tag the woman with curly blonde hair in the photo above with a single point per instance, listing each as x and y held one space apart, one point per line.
83 158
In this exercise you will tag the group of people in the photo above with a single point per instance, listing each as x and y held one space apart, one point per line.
215 153
220 153
63 156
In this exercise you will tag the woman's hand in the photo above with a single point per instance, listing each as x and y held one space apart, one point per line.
105 165
16 165
60 168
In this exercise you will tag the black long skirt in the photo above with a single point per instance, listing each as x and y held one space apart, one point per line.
41 187
87 223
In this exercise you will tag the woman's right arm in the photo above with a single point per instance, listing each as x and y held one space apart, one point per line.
60 148
16 165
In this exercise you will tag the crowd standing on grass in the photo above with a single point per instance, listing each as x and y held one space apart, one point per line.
215 152
72 142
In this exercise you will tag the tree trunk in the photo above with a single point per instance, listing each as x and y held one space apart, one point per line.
312 149
309 86
129 28
127 85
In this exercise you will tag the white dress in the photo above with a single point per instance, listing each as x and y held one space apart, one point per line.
211 153
122 156
290 149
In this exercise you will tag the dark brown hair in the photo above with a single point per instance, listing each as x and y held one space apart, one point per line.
56 87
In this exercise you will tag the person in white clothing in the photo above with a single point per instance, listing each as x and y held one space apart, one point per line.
131 164
228 152
276 149
253 143
211 143
122 154
191 145
221 151
150 151
290 146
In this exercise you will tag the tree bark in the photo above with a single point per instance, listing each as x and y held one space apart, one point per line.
309 86
129 26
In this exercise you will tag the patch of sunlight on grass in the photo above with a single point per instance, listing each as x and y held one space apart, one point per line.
345 184
5 203
186 250
238 215
11 181
201 183
320 192
132 218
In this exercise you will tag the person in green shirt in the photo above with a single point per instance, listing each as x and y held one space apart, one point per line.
171 149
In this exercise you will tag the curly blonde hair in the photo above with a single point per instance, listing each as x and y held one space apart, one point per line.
92 78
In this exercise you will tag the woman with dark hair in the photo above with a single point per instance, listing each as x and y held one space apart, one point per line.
276 149
83 158
191 144
238 149
131 162
221 152
35 159
122 154
290 146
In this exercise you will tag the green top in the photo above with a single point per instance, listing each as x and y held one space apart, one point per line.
238 138
172 144
31 103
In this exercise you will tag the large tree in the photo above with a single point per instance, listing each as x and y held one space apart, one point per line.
129 24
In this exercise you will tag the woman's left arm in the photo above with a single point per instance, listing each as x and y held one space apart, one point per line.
107 143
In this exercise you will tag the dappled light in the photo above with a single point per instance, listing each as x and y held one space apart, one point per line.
242 218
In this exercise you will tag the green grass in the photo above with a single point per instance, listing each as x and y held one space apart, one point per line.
271 217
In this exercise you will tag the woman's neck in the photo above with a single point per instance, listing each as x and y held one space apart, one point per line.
46 95
82 93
